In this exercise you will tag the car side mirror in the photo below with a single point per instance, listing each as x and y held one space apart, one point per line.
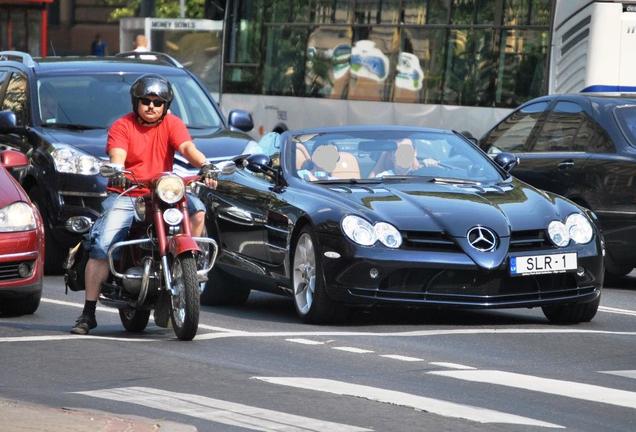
507 161
8 121
259 163
13 159
241 120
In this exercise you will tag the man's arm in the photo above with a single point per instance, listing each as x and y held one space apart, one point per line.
117 155
190 151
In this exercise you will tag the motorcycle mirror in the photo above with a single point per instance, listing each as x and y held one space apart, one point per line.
108 170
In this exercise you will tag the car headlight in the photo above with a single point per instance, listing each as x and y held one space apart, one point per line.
579 229
388 235
17 217
359 230
170 189
70 160
365 234
558 233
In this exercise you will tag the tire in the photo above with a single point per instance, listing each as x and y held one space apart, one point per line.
615 270
134 320
185 303
54 253
223 289
26 305
572 313
308 283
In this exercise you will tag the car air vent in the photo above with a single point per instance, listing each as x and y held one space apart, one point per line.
429 240
529 240
9 271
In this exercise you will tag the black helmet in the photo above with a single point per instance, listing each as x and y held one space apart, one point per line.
151 84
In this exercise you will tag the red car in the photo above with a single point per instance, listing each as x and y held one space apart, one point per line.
21 242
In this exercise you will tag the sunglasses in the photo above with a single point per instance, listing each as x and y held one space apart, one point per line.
158 103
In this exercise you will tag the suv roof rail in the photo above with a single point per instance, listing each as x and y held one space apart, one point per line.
22 57
150 55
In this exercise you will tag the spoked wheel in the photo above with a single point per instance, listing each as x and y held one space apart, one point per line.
134 320
310 298
185 303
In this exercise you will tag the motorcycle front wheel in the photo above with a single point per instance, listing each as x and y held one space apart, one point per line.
185 303
134 320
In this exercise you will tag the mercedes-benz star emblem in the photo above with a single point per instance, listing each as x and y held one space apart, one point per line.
482 239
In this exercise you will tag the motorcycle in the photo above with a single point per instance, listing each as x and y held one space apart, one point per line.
160 267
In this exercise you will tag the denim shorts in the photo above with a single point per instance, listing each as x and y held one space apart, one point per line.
118 213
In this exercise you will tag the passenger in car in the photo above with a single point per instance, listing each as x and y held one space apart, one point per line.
328 163
403 160
48 104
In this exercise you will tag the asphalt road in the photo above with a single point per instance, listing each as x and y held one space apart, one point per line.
255 367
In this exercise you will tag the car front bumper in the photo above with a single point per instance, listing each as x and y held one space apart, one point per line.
21 249
378 275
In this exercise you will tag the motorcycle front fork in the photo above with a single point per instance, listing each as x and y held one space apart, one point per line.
166 274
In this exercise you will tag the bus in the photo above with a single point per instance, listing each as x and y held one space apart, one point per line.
455 64
593 48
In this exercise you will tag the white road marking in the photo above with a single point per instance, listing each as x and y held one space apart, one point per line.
622 373
451 365
113 310
617 310
401 358
352 350
435 406
220 411
305 341
570 389
74 337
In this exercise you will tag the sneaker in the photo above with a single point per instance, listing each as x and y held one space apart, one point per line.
84 324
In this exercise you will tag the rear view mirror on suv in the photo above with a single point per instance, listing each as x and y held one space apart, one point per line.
8 122
241 120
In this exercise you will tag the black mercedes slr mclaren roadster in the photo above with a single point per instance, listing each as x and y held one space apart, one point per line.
367 215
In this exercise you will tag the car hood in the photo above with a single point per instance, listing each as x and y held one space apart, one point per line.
11 192
455 209
214 143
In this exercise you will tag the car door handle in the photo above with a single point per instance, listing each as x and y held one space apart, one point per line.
236 215
566 164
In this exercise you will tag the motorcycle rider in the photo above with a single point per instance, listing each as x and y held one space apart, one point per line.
143 142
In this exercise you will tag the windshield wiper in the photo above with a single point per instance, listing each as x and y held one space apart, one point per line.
449 180
72 126
349 181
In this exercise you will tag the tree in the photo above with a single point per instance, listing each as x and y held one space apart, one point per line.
163 9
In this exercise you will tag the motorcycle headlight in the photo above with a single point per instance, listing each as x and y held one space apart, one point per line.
17 217
170 189
172 216
558 233
359 230
579 229
70 160
388 235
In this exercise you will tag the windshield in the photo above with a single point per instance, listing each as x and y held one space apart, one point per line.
627 118
390 155
96 101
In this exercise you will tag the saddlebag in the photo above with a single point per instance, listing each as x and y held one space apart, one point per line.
74 266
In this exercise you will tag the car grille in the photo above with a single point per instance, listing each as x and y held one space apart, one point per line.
429 240
93 203
520 241
529 240
468 287
9 270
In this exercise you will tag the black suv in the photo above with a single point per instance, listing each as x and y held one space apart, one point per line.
57 110
581 146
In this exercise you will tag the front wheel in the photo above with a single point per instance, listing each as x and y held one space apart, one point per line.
184 313
310 297
572 313
134 320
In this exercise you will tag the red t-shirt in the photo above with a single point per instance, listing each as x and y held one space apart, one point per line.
149 149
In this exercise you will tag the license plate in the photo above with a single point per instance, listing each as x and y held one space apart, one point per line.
541 264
